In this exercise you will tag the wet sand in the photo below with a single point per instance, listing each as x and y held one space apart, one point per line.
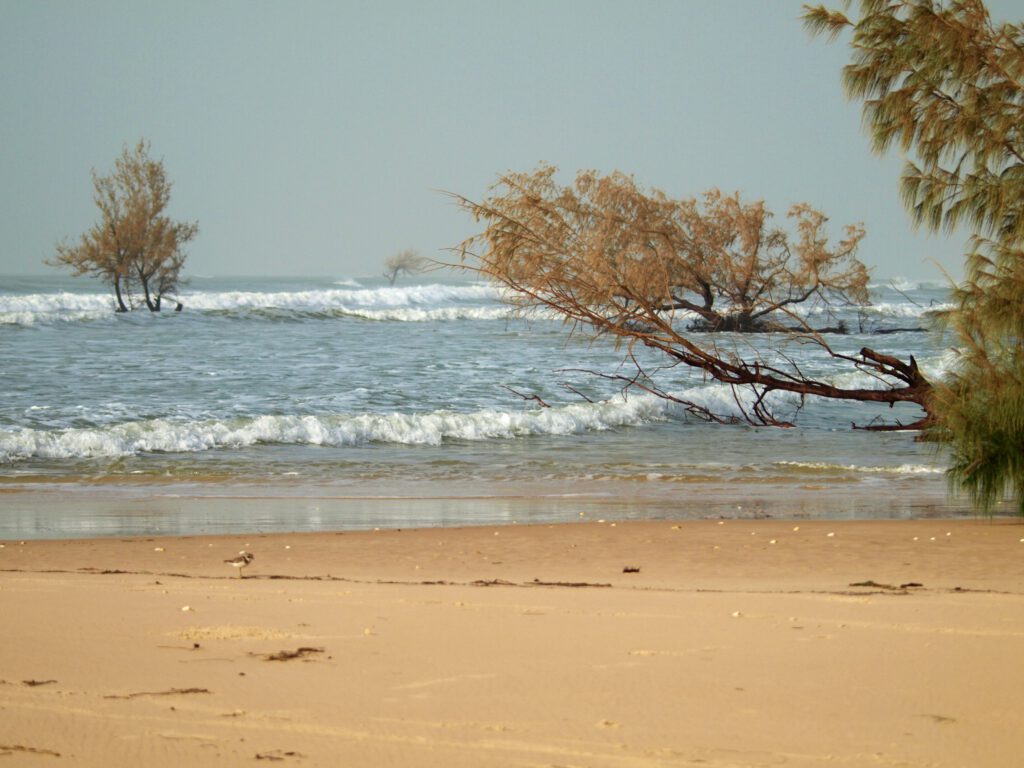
734 643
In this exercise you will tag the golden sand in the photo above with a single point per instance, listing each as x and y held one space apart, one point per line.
878 643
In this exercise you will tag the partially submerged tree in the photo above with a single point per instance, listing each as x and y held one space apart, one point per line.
946 84
649 270
135 246
406 262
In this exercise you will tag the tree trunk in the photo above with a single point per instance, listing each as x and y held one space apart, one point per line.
154 306
117 293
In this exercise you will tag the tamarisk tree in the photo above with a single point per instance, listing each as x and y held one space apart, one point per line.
406 262
135 247
946 84
612 258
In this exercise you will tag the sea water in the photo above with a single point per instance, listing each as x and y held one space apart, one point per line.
352 395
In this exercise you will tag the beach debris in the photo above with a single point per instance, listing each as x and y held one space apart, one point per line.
187 608
631 569
158 549
830 534
872 584
298 653
773 541
168 692
737 614
34 683
796 527
8 749
277 755
573 584
491 583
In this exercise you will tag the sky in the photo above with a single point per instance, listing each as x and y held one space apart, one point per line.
319 138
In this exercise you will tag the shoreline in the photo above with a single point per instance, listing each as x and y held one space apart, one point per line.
60 512
734 643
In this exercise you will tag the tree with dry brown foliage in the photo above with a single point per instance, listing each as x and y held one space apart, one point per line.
135 246
612 258
406 262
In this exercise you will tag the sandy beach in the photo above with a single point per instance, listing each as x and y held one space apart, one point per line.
732 643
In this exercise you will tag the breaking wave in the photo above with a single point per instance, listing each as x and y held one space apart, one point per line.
816 467
415 303
410 303
339 430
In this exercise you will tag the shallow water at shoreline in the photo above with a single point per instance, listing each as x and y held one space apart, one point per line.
395 405
76 511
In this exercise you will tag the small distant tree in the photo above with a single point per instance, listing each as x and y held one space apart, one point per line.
135 247
406 262
671 275
943 82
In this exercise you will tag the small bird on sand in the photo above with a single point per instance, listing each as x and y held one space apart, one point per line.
243 559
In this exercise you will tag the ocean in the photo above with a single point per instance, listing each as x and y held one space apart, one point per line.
337 403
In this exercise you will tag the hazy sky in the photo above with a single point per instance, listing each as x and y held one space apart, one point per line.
314 138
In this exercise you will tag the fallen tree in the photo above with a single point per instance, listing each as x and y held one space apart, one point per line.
670 275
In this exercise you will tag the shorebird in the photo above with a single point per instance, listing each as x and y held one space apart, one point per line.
243 559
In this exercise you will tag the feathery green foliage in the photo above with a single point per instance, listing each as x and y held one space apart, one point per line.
941 81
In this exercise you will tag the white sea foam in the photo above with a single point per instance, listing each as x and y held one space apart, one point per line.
412 315
903 469
29 309
398 303
340 298
433 428
902 310
405 303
